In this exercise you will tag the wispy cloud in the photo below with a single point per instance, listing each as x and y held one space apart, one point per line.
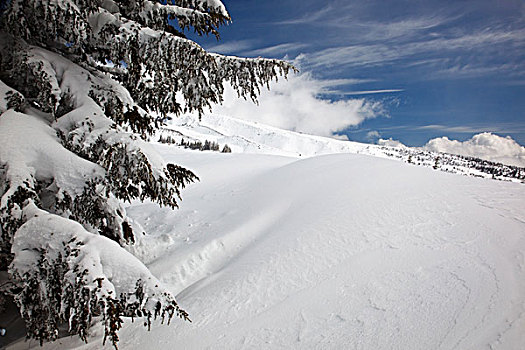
475 70
232 46
402 30
447 39
440 40
333 87
280 49
250 48
370 92
495 51
311 17
456 129
362 55
344 81
353 19
502 128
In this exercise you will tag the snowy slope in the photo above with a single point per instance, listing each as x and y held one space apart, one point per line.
338 251
250 137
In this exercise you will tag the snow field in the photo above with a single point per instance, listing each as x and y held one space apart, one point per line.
342 251
331 252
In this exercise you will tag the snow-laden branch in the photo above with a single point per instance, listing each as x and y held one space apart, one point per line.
108 164
69 275
165 73
156 16
211 6
164 67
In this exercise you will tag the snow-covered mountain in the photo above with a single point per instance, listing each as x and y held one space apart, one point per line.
249 137
301 242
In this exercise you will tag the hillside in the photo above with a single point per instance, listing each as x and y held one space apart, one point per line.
332 251
250 137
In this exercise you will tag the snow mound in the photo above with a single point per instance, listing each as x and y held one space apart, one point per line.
336 251
340 251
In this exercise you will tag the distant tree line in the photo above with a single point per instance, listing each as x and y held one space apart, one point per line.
454 163
195 145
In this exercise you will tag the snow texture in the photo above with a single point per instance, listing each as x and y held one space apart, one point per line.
334 251
43 158
99 256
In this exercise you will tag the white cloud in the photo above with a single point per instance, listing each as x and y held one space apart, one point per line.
500 128
373 135
281 49
340 137
345 81
390 143
488 44
456 129
370 92
295 104
350 19
485 146
319 14
231 46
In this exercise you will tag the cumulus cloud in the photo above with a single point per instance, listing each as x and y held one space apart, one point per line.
340 137
485 146
297 104
390 143
373 135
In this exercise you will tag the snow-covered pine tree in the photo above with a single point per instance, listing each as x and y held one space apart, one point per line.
82 84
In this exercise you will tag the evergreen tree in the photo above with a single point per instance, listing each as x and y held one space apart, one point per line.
436 163
82 84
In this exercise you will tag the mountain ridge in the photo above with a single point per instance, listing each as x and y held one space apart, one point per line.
251 137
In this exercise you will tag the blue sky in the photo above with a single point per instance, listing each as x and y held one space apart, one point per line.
438 68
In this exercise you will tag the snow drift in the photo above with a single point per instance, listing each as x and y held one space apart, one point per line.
335 251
